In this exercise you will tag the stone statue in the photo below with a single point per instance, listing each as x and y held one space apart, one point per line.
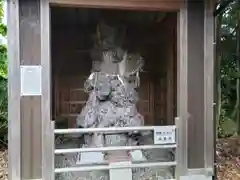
112 88
112 93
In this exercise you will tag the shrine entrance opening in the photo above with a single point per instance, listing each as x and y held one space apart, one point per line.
109 89
114 69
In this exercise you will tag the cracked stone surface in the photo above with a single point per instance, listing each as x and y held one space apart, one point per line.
112 88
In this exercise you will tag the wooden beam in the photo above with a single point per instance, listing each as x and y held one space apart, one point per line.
47 128
30 48
195 78
209 124
182 90
170 5
14 123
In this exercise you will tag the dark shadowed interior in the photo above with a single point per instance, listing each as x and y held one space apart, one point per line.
153 34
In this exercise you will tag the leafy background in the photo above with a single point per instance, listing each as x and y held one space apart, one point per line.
3 79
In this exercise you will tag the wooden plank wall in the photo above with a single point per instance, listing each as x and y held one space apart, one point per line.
170 39
30 54
165 61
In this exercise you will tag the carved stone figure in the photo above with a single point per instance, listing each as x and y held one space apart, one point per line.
112 88
113 95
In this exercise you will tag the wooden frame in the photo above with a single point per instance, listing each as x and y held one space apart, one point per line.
182 111
195 77
47 139
14 125
209 127
153 5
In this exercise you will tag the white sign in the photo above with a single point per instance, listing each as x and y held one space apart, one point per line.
165 135
31 80
90 157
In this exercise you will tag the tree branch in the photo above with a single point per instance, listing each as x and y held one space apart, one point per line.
223 6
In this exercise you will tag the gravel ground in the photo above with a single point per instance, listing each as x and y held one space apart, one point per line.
3 164
228 158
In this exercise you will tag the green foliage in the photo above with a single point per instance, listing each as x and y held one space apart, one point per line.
227 127
230 71
3 92
3 79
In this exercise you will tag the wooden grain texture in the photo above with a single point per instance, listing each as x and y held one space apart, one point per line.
47 125
171 40
30 47
209 125
195 99
170 5
182 90
14 123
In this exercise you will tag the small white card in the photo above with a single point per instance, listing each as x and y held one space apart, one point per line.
165 135
31 80
90 157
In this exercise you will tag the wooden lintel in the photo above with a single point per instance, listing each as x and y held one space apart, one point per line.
152 5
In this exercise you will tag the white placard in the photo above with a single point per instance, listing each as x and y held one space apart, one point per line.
165 135
31 80
90 157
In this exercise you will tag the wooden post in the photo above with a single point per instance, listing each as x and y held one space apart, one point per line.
209 125
14 126
30 54
195 76
47 125
182 90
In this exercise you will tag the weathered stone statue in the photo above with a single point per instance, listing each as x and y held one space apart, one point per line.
112 88
112 93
